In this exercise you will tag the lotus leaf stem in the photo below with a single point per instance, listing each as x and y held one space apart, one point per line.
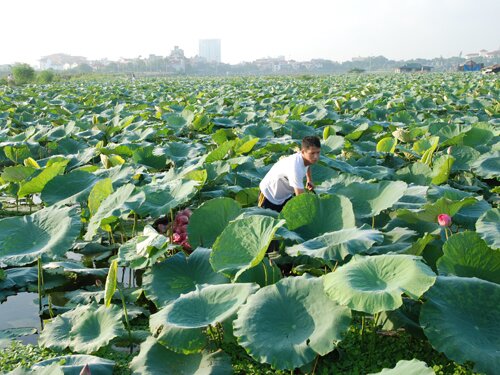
126 318
265 273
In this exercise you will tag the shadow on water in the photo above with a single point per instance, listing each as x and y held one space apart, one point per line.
21 311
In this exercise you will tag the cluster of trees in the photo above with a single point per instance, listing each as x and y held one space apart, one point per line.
22 74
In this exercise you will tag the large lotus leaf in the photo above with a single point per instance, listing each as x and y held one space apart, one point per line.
17 173
488 227
209 220
459 319
70 188
243 244
177 275
40 178
376 283
154 359
464 157
161 198
73 364
467 255
180 325
74 267
144 250
49 232
95 328
370 199
99 192
110 208
289 323
488 165
150 157
310 215
53 369
339 244
55 334
413 367
417 173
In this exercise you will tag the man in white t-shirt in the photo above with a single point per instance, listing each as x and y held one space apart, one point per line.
286 178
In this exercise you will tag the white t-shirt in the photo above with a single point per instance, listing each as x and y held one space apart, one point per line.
279 183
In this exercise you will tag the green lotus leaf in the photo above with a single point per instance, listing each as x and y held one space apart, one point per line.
387 144
417 173
369 199
289 323
243 244
488 165
17 173
413 367
441 169
480 134
161 198
49 232
180 326
95 328
266 273
150 157
376 283
99 192
73 364
9 334
459 320
488 227
53 369
220 211
75 268
38 180
338 245
177 275
70 188
55 335
154 359
110 208
467 255
310 215
464 157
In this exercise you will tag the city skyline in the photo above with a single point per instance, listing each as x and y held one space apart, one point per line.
333 30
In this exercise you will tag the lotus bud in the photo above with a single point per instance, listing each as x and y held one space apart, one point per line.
176 237
85 370
448 150
444 220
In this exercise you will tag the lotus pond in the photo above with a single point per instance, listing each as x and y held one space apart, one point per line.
131 241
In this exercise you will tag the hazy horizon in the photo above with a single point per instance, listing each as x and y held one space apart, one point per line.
334 30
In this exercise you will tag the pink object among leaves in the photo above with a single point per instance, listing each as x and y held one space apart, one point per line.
444 220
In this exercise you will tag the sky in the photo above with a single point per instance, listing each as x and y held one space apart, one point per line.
248 29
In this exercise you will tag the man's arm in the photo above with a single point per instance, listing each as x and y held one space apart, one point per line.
309 183
298 191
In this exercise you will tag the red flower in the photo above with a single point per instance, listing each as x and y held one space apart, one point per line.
444 220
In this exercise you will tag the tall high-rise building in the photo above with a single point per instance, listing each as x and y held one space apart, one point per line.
209 49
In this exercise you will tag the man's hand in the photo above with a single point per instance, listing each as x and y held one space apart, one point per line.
309 186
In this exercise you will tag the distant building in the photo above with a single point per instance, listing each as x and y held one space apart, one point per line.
470 66
413 68
209 49
61 61
176 62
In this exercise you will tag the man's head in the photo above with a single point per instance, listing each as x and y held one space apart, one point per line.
311 148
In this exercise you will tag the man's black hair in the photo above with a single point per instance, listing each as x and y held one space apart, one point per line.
311 141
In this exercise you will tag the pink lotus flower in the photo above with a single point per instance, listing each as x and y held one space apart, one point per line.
444 220
176 238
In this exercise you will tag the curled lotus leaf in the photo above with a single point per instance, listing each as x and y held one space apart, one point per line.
286 324
311 215
73 364
339 244
459 319
165 282
488 227
49 232
221 211
376 283
243 244
181 325
154 358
